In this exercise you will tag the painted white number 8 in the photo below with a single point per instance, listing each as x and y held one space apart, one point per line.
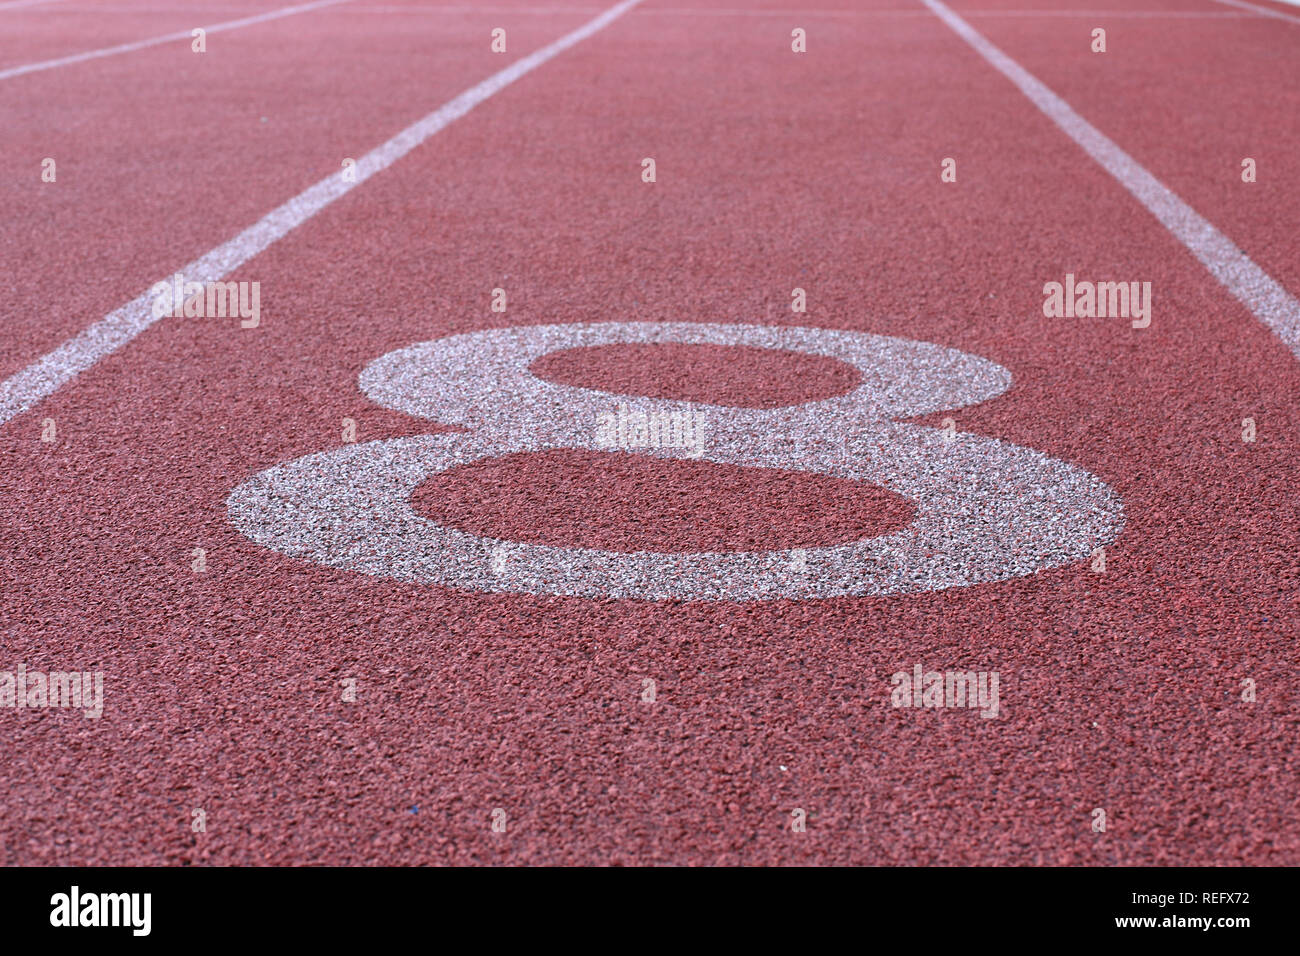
986 510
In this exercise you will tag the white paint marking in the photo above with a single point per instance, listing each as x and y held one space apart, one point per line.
974 520
49 373
1250 285
462 8
1117 14
783 14
444 9
169 38
429 9
1265 11
15 4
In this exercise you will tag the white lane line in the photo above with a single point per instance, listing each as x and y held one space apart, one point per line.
1252 286
1265 11
1118 14
169 38
443 9
430 9
476 8
725 12
46 375
15 4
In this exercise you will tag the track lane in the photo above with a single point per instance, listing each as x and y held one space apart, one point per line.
175 153
134 34
1189 106
480 701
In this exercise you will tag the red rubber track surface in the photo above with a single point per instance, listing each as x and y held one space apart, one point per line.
774 170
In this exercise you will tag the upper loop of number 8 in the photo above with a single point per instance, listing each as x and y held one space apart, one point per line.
350 508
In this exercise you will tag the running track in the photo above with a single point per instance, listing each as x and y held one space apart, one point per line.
775 170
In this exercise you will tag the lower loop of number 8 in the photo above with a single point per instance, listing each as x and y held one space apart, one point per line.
351 508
